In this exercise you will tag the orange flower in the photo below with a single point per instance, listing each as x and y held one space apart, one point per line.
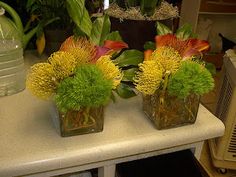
109 47
82 49
186 48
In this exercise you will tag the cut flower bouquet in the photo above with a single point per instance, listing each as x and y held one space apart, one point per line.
79 78
172 77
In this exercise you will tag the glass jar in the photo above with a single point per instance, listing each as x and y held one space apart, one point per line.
86 120
167 111
12 70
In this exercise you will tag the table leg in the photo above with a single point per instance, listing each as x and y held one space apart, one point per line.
198 149
107 171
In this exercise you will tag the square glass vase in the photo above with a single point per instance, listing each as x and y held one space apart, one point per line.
86 120
166 111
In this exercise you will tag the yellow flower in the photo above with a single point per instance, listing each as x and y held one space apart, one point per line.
63 64
109 69
41 81
149 77
81 48
168 57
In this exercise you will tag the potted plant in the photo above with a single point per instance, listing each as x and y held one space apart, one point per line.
136 19
172 77
79 79
50 37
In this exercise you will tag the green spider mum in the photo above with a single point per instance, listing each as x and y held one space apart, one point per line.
88 88
190 78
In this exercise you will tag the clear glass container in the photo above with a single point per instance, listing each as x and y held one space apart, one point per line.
12 70
86 120
167 111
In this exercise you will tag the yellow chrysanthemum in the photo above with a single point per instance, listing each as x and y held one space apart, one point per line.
109 69
63 64
150 76
168 57
41 81
82 49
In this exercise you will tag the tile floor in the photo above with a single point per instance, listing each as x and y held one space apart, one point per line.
209 101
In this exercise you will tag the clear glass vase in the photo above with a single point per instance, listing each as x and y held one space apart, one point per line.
86 120
167 111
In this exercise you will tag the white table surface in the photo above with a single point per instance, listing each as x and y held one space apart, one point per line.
29 143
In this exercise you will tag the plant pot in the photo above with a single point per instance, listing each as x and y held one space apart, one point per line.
86 120
167 111
136 32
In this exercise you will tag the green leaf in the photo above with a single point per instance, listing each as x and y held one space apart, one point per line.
100 29
114 36
132 3
129 58
149 45
129 74
162 29
29 5
185 32
211 68
125 91
77 32
79 14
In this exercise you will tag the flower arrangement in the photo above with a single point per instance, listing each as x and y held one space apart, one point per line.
173 70
79 77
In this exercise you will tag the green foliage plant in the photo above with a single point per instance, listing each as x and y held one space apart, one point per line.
26 32
87 88
190 78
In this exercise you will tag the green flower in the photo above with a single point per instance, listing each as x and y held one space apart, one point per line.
190 78
88 88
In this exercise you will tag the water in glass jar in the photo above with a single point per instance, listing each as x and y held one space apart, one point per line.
12 70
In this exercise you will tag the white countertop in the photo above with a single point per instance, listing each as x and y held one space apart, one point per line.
29 143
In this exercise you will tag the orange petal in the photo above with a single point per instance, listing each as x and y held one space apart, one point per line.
67 44
165 40
200 45
115 45
147 54
195 47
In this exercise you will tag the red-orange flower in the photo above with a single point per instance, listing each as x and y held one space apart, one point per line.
109 47
186 48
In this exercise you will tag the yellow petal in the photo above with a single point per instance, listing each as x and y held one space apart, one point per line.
149 77
41 81
109 69
40 43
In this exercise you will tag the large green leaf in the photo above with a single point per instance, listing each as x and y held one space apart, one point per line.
162 29
114 36
100 29
79 14
125 91
129 74
185 32
129 58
